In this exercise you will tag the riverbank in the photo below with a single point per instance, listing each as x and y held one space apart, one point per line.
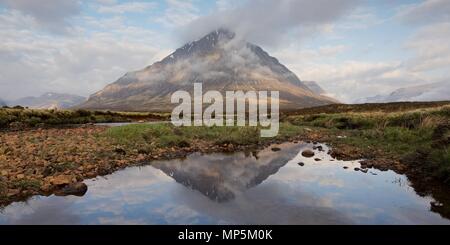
56 160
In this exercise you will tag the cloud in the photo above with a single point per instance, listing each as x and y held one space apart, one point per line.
178 13
265 21
51 15
425 12
351 80
129 7
32 63
431 46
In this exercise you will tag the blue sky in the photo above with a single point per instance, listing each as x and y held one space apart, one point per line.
352 48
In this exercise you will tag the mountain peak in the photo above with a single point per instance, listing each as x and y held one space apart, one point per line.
220 62
206 44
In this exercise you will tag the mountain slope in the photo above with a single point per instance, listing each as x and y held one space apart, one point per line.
49 101
428 92
315 87
219 61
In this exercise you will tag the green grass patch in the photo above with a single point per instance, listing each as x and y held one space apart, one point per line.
27 184
165 134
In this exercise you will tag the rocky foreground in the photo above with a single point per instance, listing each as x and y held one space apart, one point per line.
55 160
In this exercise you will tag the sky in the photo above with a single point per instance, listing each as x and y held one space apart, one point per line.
352 48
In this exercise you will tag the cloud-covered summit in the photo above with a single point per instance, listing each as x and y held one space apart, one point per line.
266 22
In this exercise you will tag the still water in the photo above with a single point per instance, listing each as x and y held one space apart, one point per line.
268 187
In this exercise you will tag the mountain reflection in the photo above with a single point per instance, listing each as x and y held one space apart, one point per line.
221 176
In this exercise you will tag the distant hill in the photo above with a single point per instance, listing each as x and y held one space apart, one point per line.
426 92
218 60
2 102
49 101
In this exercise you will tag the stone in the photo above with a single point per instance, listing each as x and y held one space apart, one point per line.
301 164
120 151
317 159
76 189
308 153
276 149
61 180
20 176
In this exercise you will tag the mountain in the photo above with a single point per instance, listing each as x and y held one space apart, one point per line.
221 62
427 92
2 103
315 87
49 101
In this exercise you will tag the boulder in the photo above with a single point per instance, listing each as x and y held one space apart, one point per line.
308 153
76 189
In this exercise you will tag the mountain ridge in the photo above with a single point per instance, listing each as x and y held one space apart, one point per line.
49 100
438 91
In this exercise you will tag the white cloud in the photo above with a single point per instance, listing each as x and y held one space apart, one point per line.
265 21
352 80
432 48
128 7
426 11
51 15
32 63
178 13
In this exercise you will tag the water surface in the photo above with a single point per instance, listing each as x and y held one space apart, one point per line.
241 188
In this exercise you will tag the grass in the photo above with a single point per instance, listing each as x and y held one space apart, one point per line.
27 184
21 117
167 135
419 137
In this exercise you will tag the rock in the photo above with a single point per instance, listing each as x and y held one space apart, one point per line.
49 170
436 204
276 149
20 176
345 167
319 147
301 164
4 173
143 151
13 192
46 188
76 189
308 153
120 151
61 180
317 159
364 170
357 169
